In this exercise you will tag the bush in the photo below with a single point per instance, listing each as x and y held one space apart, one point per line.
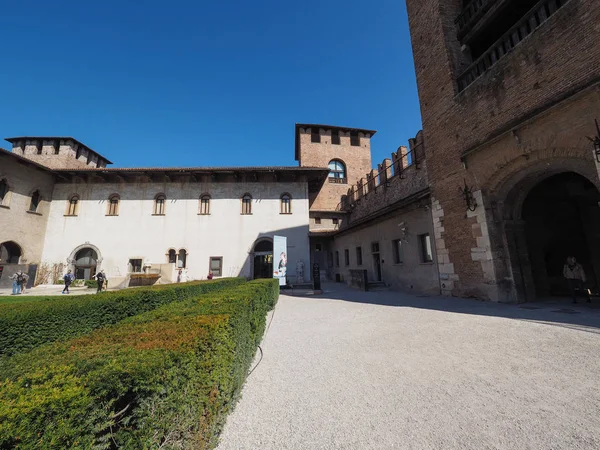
29 324
165 378
92 284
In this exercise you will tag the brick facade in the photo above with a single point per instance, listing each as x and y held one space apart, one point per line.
524 119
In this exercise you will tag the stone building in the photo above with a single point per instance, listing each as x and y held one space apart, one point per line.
74 213
509 91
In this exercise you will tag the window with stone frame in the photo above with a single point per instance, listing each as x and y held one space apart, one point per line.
73 206
4 191
159 205
204 205
286 204
35 201
113 205
346 257
359 256
425 245
172 256
337 171
246 204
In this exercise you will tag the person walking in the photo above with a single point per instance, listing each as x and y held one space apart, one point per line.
575 276
99 281
22 280
16 286
68 279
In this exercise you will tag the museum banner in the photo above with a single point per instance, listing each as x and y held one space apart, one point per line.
280 259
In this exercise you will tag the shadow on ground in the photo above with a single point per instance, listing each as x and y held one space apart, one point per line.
554 311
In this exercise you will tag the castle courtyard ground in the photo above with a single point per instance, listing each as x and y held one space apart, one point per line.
383 370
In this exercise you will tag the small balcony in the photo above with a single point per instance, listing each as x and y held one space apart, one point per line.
471 13
526 26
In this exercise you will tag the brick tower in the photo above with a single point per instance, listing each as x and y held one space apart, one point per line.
509 90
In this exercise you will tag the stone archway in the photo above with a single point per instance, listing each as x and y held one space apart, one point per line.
10 253
548 211
84 261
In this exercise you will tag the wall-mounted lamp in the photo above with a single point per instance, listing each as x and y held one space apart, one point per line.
596 141
470 201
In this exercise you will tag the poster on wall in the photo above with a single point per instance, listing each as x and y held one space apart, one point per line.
280 259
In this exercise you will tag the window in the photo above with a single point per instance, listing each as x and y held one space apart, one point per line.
35 201
247 204
359 256
182 259
135 265
337 171
318 247
398 251
315 136
3 192
317 220
78 153
335 221
354 139
205 205
72 207
216 265
113 205
56 147
425 243
39 145
375 247
172 256
159 205
347 257
335 137
286 204
337 259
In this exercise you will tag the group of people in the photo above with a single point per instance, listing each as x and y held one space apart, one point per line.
100 277
19 282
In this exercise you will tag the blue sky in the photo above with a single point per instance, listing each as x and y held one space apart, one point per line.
189 83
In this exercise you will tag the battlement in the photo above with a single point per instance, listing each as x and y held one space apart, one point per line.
395 179
57 152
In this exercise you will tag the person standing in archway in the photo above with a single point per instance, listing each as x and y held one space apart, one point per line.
573 272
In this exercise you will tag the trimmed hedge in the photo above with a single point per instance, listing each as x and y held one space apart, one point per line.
26 325
165 378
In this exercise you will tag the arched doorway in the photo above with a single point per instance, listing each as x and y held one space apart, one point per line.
86 261
10 253
558 217
263 259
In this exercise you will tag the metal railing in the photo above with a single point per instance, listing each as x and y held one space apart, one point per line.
382 177
539 14
471 13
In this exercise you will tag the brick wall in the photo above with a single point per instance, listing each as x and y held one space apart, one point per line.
67 157
357 160
557 65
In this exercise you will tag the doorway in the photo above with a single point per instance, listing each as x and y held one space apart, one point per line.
560 217
10 253
86 261
376 261
263 259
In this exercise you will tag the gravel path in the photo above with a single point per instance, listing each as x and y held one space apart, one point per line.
353 370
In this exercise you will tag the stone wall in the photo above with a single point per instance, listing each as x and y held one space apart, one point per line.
17 223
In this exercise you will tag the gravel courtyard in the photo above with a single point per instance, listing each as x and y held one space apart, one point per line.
383 370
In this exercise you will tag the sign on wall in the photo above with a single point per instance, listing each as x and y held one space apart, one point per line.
280 259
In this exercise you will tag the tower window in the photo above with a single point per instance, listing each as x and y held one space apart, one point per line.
57 147
315 136
35 201
354 139
337 171
3 192
39 146
335 137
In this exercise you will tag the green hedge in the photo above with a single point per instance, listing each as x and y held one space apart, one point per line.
26 325
165 378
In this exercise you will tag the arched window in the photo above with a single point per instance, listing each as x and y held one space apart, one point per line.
113 205
337 171
247 204
10 253
204 204
35 201
286 204
159 205
172 256
3 192
73 206
182 259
